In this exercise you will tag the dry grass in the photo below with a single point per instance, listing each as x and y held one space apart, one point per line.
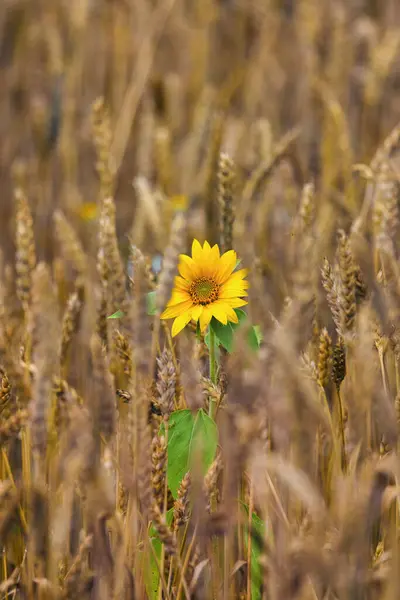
127 128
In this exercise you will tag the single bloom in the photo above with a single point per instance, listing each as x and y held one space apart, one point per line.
207 286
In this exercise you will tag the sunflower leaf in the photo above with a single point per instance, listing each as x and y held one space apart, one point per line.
224 334
117 315
241 315
255 337
151 303
258 531
189 435
152 575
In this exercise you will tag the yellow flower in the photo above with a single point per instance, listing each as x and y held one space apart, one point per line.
180 202
206 287
88 211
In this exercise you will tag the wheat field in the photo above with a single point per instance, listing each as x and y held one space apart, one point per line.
256 461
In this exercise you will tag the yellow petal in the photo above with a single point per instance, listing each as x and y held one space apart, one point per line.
180 322
213 257
177 309
232 316
201 258
219 312
215 249
181 284
205 318
188 268
226 265
197 250
204 259
235 302
238 275
210 264
226 308
234 283
196 312
178 296
232 291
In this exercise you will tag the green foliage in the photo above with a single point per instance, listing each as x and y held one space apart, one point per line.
117 315
225 333
151 303
152 575
258 527
255 337
189 434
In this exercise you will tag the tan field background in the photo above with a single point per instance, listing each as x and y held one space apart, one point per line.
127 128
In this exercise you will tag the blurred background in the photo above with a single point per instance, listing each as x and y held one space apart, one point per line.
165 106
180 81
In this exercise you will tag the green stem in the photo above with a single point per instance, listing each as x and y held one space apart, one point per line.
213 371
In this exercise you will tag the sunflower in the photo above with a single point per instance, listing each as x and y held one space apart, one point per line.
207 286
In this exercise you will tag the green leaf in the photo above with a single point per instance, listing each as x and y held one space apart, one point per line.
224 334
189 434
256 575
255 337
238 261
241 315
258 332
151 303
117 315
152 575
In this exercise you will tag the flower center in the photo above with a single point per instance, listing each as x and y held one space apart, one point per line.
204 291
